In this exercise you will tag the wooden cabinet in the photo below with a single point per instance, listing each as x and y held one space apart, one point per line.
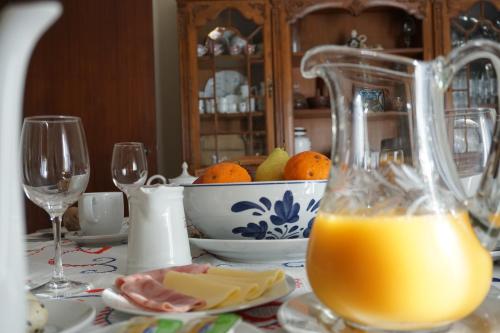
226 80
420 29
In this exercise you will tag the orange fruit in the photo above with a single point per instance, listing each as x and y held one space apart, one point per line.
308 165
225 172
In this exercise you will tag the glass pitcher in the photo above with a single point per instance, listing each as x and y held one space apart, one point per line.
393 247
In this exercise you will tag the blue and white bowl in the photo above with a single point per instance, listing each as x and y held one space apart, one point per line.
255 210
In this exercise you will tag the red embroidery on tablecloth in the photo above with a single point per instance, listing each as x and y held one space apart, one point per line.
97 290
99 250
298 283
36 251
94 251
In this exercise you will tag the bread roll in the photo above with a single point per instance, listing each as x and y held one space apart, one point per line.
37 315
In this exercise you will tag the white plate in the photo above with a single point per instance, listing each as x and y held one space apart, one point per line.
227 83
112 298
495 255
305 314
117 328
254 251
77 237
66 316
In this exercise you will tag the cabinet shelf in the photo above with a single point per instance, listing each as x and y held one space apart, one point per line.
312 113
223 116
226 61
326 113
254 133
386 114
412 52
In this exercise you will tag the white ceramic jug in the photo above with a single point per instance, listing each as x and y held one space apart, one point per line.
21 25
157 235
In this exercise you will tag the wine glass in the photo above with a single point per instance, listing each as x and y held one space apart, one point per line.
129 166
56 172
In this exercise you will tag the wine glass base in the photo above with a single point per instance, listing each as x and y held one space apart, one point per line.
60 289
305 314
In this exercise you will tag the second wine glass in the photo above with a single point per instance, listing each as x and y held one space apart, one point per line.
129 166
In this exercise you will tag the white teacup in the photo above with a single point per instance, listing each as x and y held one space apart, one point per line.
100 213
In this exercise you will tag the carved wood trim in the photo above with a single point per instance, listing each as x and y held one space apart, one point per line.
202 13
296 9
438 28
182 31
456 7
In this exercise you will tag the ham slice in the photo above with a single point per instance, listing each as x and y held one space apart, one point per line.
147 290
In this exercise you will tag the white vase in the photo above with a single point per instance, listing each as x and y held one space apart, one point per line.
301 140
21 25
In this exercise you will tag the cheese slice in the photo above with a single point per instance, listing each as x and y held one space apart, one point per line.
220 287
264 279
213 292
249 288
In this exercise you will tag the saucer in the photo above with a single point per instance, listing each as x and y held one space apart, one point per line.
254 251
81 239
44 234
305 314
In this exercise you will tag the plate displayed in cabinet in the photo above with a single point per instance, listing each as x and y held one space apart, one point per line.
226 83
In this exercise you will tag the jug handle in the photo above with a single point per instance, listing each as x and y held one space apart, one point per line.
160 178
484 206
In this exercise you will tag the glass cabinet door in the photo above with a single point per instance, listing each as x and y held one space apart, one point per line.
472 104
235 114
475 85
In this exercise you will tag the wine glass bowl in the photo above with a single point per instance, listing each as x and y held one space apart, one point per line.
55 173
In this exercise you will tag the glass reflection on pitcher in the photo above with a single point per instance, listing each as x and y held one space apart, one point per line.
393 247
470 132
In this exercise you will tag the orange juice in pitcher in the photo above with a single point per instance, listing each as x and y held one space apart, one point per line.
428 269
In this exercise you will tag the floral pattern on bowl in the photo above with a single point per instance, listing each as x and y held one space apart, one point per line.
254 211
277 223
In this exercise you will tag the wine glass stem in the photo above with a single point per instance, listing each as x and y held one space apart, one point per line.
128 205
58 273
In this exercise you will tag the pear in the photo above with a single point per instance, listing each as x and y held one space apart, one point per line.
273 167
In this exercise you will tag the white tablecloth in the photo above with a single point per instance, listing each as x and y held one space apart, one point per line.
101 265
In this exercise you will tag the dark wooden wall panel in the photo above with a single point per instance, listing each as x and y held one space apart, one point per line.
97 62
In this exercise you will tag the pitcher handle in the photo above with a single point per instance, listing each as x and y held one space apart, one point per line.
160 178
484 206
